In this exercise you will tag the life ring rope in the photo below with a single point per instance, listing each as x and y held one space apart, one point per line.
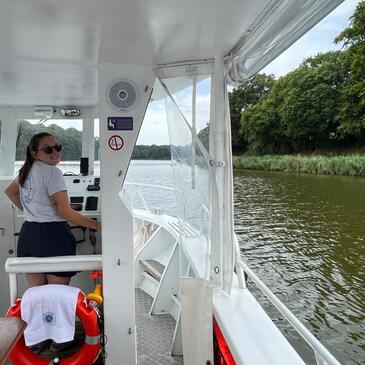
88 353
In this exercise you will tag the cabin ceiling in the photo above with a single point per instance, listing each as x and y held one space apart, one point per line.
50 49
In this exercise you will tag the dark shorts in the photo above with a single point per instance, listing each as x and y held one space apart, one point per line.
46 240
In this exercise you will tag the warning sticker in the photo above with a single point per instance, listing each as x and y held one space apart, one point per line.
116 143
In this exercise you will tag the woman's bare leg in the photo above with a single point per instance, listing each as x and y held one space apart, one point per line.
36 279
53 279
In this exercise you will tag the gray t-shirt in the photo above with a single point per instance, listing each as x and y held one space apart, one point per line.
42 182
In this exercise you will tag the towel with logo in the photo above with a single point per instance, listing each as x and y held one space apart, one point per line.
49 311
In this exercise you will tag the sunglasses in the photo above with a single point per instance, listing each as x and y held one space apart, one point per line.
49 149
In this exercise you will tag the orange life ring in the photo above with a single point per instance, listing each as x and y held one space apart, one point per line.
22 355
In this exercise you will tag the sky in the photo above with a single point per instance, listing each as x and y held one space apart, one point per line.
318 39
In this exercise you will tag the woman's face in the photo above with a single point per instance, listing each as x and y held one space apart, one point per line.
41 154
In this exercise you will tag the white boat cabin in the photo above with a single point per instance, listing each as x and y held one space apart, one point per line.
105 60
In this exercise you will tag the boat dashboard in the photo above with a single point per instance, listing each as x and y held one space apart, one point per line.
84 193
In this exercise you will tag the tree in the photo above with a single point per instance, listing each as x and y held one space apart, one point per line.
260 127
320 104
69 138
301 110
309 112
143 152
352 109
203 135
243 97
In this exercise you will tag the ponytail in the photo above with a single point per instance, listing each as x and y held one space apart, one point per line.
33 146
24 171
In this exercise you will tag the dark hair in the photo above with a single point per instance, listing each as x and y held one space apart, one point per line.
32 146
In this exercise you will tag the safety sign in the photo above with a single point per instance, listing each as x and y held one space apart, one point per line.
116 143
120 124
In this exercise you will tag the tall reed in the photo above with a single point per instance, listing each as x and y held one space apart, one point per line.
349 165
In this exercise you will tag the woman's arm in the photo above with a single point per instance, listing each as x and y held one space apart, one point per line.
12 192
64 210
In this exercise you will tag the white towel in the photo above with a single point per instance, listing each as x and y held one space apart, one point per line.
49 311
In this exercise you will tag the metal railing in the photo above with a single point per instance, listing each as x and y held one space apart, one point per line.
322 355
149 208
137 186
24 265
204 213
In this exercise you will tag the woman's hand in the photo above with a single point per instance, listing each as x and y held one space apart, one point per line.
98 225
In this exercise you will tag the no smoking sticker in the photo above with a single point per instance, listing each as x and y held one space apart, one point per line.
116 143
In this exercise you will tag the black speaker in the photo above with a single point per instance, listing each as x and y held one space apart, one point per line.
84 166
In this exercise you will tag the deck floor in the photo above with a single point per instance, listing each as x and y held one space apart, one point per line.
154 334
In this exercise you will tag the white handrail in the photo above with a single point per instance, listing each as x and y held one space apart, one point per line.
323 356
237 263
160 187
21 265
204 210
151 186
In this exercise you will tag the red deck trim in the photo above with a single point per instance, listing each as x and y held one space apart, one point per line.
227 358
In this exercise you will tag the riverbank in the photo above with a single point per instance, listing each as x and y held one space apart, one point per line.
349 165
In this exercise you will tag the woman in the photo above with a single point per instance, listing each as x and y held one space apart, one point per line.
40 192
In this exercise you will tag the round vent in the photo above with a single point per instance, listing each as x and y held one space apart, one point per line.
122 95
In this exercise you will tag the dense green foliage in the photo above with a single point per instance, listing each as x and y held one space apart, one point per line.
352 107
243 97
300 113
71 142
69 138
350 165
318 106
203 135
154 152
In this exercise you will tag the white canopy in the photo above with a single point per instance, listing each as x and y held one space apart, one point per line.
50 49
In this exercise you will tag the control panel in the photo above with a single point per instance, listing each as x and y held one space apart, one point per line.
84 193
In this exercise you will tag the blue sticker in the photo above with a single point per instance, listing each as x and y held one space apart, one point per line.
120 123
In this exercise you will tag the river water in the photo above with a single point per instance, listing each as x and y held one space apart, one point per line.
304 235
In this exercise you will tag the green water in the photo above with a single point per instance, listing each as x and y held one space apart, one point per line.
304 235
